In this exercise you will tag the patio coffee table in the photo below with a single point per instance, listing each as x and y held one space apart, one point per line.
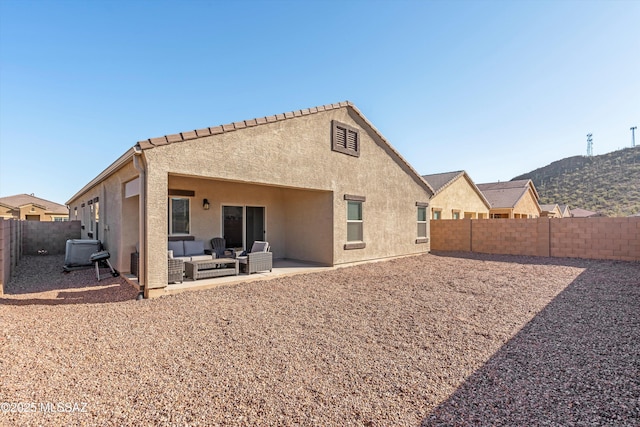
195 270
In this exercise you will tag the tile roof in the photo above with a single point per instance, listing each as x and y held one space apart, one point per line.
506 194
230 127
26 199
583 213
503 185
440 180
505 198
548 208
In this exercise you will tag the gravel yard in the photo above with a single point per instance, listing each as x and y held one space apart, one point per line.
439 339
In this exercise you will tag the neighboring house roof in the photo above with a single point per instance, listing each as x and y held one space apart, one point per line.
507 194
440 181
20 200
548 208
151 143
583 213
565 210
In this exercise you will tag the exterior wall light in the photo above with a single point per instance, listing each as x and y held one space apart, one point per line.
205 204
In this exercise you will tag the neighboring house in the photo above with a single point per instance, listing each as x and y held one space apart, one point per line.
565 211
583 213
319 184
550 211
456 197
31 208
512 199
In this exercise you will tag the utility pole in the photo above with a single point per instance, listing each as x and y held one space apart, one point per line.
633 135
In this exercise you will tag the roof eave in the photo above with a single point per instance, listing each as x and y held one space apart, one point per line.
151 143
112 168
477 190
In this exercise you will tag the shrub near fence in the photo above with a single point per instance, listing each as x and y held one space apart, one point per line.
595 238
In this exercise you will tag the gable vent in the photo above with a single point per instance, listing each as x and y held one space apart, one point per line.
345 139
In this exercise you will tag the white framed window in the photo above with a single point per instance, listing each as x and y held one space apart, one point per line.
354 221
422 221
91 215
179 215
455 214
437 213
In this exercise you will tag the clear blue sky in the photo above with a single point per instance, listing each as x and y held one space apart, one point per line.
497 88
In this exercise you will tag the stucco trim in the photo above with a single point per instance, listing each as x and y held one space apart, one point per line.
355 198
356 245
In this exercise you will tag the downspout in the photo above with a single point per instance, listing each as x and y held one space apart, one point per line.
139 164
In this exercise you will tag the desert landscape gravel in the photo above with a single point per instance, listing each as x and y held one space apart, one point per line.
437 339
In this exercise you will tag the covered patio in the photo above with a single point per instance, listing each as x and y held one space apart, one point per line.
281 268
297 223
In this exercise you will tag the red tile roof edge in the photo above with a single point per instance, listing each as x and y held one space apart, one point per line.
230 127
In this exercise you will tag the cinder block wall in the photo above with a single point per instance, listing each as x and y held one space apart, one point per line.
11 231
595 238
505 236
451 235
600 238
51 236
5 256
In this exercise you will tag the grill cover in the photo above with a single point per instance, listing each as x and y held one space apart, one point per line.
78 252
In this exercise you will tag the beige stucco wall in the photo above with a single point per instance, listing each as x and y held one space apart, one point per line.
554 213
308 226
460 196
117 227
298 222
29 210
527 206
286 166
294 153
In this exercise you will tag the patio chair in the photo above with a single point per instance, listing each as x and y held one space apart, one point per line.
220 248
259 259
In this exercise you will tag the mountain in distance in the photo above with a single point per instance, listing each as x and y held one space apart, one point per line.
608 183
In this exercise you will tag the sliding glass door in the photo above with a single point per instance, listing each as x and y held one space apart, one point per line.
242 225
255 229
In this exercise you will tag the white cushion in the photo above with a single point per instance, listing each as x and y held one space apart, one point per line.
201 257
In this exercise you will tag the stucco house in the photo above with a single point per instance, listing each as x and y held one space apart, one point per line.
550 211
565 211
320 185
31 208
456 197
512 199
